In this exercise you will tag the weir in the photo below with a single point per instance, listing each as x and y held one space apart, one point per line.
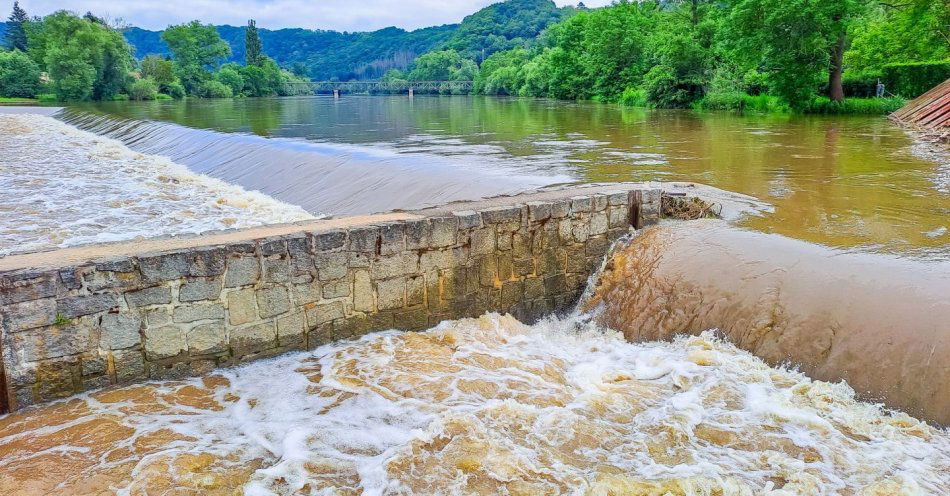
91 316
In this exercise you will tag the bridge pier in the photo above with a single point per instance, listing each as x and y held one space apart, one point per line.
336 94
410 92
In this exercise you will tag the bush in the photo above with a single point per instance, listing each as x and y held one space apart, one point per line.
162 96
119 97
232 78
633 97
741 102
913 79
19 75
175 90
214 89
861 84
47 97
854 106
143 89
665 90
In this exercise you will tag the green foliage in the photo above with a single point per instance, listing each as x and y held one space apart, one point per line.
159 69
504 26
633 97
15 36
252 44
84 59
61 320
175 90
264 79
742 102
46 97
663 89
444 65
912 79
230 76
197 49
162 96
143 89
854 106
19 75
915 31
214 89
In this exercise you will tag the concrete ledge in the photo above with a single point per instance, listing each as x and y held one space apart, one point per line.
88 317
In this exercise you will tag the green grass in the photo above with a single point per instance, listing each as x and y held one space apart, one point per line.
633 97
16 101
743 103
855 106
47 97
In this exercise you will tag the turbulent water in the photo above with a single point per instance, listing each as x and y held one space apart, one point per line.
480 406
62 187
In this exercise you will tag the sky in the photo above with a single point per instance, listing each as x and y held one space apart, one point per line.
339 15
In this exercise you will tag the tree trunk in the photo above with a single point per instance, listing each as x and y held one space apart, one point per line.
835 87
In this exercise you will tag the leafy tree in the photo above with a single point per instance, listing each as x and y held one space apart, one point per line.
502 73
160 70
143 89
444 65
252 44
230 75
84 59
16 33
19 75
504 26
214 89
901 32
197 49
801 42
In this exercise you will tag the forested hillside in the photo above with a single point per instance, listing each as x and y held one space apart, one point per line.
321 54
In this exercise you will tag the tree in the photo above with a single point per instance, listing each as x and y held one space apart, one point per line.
16 34
197 49
252 44
19 75
84 59
444 65
801 42
160 70
230 76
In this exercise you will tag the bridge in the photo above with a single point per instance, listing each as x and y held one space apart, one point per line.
338 87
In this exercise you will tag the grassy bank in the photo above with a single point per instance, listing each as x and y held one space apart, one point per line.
768 104
16 101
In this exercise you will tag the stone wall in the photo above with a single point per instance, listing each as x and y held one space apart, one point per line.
122 315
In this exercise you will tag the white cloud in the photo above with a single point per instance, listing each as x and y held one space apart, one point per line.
341 15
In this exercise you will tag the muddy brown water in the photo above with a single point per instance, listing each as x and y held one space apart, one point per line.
881 323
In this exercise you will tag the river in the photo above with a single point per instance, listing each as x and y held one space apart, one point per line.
850 182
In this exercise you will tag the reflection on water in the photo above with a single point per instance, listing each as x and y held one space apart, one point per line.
841 181
480 406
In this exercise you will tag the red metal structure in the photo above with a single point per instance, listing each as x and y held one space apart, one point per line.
930 110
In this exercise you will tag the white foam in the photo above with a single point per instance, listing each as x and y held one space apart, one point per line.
62 187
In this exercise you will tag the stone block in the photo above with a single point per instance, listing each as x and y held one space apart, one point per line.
155 295
331 266
327 312
598 223
560 208
70 278
392 238
512 293
396 265
596 247
198 311
305 293
329 240
539 211
443 231
28 314
77 306
504 240
291 329
581 204
158 317
53 342
533 288
206 339
618 217
363 300
363 239
600 202
618 198
93 365
200 289
274 246
336 289
391 294
23 286
120 331
249 339
580 230
273 301
163 342
411 320
417 234
164 267
242 271
509 215
276 269
128 365
415 291
117 264
468 219
483 241
207 262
